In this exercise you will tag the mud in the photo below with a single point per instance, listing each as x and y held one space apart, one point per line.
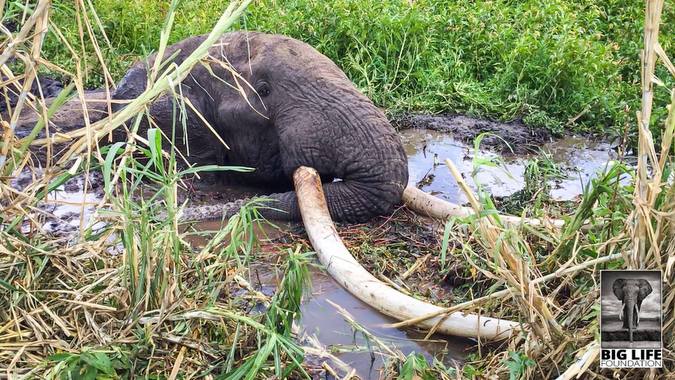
383 245
47 86
505 138
66 211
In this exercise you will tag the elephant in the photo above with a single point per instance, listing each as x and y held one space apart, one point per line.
631 293
278 104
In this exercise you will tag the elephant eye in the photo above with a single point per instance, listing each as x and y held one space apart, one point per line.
263 89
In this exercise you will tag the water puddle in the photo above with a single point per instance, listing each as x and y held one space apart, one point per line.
427 149
320 318
578 159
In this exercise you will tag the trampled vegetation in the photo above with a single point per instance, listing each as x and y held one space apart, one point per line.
131 294
562 65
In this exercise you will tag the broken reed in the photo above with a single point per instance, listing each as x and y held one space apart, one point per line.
71 304
507 255
129 298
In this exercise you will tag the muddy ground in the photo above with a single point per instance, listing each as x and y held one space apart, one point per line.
401 249
510 137
428 140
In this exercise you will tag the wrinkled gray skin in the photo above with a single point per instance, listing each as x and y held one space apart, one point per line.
631 293
304 111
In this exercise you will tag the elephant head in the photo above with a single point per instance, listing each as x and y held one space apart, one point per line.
279 104
631 293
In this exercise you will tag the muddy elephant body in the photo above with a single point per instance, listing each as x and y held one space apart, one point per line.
279 104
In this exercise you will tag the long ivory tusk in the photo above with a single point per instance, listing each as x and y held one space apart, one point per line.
637 313
429 205
352 276
623 305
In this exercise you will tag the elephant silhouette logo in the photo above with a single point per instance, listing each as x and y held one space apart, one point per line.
631 293
630 318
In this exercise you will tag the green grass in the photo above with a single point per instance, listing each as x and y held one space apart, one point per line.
545 62
70 309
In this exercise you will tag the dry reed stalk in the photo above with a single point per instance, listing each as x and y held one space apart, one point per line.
40 19
585 358
357 326
506 292
513 269
26 28
647 185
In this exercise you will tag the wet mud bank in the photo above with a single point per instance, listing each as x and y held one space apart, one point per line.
506 138
382 245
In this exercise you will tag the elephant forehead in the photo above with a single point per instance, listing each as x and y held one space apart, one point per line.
632 283
634 290
273 51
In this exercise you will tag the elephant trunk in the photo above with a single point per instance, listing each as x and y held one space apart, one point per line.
630 325
346 201
349 140
631 313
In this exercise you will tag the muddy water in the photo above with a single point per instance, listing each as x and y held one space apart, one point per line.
320 319
579 159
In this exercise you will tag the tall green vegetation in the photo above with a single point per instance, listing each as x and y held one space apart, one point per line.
558 64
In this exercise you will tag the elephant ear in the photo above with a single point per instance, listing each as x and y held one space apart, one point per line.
645 290
617 288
